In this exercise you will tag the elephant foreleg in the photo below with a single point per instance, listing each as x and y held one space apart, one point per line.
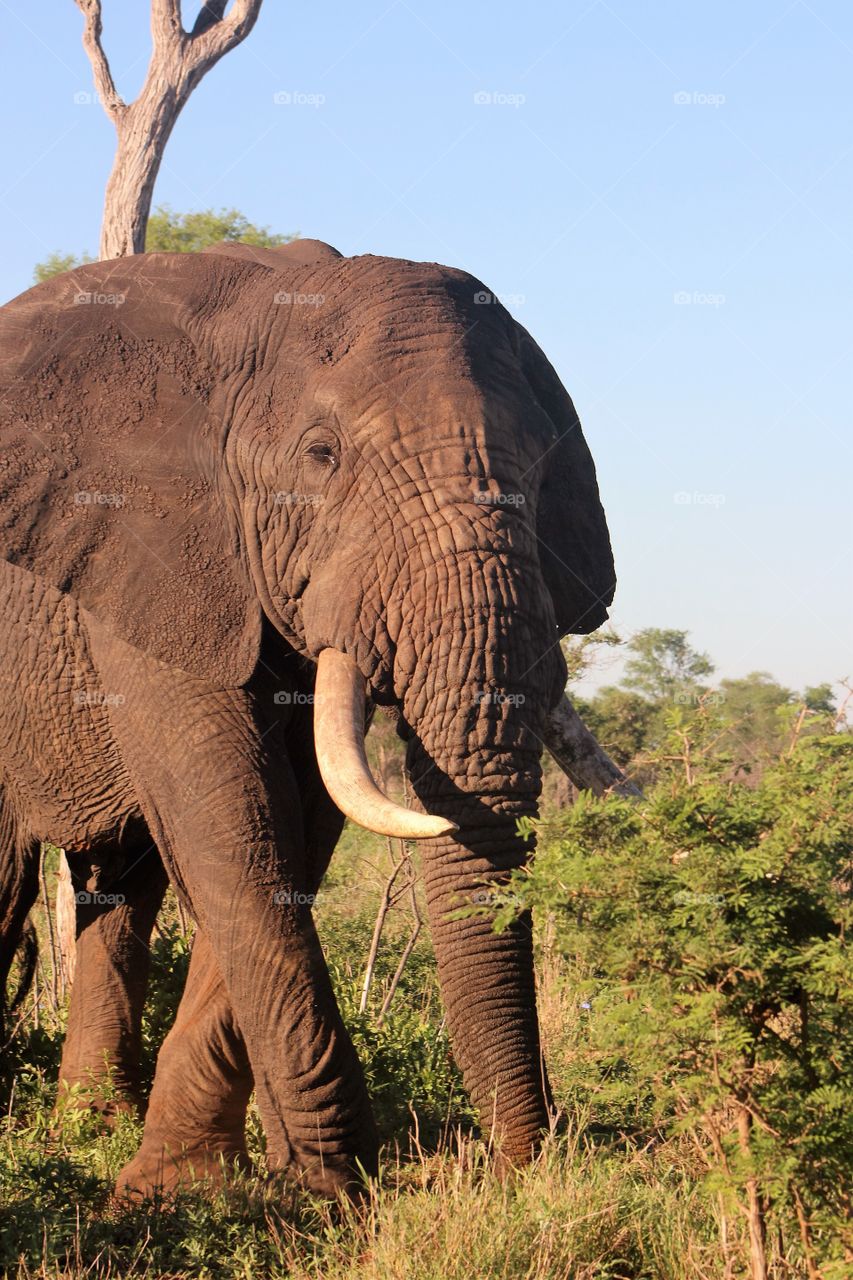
213 1102
227 817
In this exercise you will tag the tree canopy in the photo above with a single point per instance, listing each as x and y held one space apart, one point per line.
170 231
663 665
754 715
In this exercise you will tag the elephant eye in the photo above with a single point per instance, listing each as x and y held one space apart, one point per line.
324 454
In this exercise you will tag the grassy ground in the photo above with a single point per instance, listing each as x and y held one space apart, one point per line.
603 1202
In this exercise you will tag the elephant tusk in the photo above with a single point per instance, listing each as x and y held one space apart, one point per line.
581 757
339 704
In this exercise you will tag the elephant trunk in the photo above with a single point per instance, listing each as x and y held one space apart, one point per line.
488 988
476 695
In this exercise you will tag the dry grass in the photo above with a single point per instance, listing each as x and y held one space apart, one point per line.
596 1206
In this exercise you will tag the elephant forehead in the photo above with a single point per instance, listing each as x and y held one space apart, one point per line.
390 299
414 300
380 320
406 341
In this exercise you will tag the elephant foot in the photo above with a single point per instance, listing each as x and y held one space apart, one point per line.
326 1181
160 1169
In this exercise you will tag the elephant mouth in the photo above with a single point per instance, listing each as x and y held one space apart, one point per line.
339 719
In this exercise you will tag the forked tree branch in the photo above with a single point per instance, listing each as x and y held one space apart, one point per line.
179 60
211 12
104 84
215 35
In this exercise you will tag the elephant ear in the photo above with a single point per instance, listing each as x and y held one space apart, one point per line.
112 440
574 542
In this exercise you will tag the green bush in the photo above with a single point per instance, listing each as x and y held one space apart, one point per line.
703 934
413 1081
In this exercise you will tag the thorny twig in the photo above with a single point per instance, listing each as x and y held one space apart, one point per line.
407 950
385 904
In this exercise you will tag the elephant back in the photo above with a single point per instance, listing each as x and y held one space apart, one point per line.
297 253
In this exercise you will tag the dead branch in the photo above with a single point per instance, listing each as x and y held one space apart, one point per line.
179 60
218 35
104 84
385 904
407 950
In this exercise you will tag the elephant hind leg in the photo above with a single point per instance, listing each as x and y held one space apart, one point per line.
19 862
113 962
194 1126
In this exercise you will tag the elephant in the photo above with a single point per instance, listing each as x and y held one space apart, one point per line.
249 496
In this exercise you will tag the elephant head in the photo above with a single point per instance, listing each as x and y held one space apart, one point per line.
375 457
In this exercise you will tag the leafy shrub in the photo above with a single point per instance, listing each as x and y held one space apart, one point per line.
703 934
413 1081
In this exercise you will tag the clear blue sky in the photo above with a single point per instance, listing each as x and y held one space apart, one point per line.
591 197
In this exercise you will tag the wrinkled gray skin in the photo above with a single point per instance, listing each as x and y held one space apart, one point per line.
254 456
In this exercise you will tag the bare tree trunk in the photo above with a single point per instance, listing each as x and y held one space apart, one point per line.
755 1212
55 961
142 138
66 925
179 60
